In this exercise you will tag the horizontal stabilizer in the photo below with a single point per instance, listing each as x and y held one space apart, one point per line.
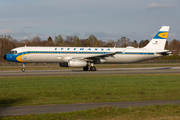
164 52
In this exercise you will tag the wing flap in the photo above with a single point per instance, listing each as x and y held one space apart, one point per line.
99 56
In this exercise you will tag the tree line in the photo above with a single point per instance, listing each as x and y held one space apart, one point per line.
7 43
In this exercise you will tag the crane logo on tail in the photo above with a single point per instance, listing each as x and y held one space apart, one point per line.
161 35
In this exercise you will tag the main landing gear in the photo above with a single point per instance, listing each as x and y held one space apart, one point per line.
23 69
92 67
85 68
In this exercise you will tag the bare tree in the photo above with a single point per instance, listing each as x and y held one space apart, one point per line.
110 43
92 41
76 41
59 41
174 46
135 44
68 41
36 41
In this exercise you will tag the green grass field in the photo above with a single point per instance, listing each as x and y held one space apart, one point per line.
21 91
158 112
40 90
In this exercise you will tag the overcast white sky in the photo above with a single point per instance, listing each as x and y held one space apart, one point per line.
106 19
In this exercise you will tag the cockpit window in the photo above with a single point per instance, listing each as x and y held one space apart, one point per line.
12 52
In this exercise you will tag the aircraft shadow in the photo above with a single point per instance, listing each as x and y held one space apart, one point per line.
122 69
163 68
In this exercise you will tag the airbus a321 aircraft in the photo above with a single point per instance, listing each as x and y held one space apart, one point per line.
86 57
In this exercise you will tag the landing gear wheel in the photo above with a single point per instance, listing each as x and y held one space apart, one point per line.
23 69
85 68
93 68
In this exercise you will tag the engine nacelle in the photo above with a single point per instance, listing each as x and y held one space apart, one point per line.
63 64
77 63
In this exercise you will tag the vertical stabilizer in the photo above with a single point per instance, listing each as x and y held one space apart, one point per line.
159 40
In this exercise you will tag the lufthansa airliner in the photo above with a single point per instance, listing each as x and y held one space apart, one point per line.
86 57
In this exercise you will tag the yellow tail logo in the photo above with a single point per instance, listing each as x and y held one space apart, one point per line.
163 35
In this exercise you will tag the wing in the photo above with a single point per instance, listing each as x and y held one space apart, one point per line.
98 56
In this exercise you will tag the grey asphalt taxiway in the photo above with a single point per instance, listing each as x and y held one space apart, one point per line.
149 70
7 111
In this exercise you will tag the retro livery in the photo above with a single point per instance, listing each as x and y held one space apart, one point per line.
86 57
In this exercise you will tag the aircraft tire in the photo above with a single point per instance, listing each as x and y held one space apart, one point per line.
23 69
85 68
93 68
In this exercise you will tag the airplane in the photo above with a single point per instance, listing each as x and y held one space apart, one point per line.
86 57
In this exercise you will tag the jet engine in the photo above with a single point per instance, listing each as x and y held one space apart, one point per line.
77 63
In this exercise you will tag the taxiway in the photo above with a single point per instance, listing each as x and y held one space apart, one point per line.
6 111
149 70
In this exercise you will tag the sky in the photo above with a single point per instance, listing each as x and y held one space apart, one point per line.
106 19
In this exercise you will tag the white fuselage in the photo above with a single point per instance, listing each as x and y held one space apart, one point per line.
63 54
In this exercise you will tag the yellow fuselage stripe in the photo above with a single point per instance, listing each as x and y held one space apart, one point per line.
19 58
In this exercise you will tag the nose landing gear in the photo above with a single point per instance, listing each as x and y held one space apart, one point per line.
23 69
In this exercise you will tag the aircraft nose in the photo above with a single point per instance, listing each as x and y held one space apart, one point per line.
5 57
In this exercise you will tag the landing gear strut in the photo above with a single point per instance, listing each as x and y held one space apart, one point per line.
92 67
23 69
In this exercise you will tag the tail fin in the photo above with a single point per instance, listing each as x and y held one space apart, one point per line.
159 40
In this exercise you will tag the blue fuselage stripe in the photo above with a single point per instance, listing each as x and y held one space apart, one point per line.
67 52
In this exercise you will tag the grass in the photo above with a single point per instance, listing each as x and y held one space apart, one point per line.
24 91
158 112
